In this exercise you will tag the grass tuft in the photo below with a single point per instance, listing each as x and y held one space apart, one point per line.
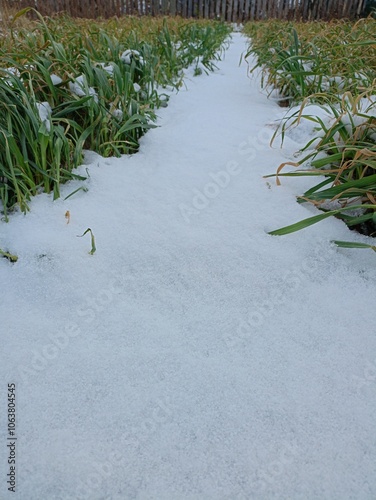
68 85
328 69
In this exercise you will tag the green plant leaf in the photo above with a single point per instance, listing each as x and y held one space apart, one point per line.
313 220
353 244
9 256
93 247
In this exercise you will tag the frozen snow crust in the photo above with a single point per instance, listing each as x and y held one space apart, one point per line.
193 356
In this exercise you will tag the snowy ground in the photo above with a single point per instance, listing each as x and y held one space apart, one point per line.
193 356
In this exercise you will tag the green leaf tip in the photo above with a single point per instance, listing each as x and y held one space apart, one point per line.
93 247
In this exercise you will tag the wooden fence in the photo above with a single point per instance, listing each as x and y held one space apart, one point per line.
227 10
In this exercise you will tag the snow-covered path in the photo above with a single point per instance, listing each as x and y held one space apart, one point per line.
193 356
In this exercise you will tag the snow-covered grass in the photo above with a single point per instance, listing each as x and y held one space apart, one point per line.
331 67
301 59
193 356
66 85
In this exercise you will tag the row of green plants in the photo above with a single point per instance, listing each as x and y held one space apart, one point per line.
68 85
305 59
331 65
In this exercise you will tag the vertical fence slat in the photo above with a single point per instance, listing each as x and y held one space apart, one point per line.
273 9
262 9
269 9
257 10
240 18
347 8
324 9
206 9
276 9
298 11
217 9
247 10
279 9
211 9
200 8
247 5
223 10
344 9
234 11
312 9
305 11
331 8
320 9
361 7
286 9
252 12
229 10
340 11
265 8
195 8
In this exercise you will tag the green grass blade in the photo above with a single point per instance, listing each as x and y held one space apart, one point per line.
313 220
353 244
93 247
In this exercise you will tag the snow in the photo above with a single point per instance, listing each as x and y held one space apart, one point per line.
80 88
56 80
116 112
12 71
193 356
129 54
107 67
126 56
44 111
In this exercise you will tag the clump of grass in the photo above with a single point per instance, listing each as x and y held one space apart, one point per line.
301 59
345 154
66 85
331 65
